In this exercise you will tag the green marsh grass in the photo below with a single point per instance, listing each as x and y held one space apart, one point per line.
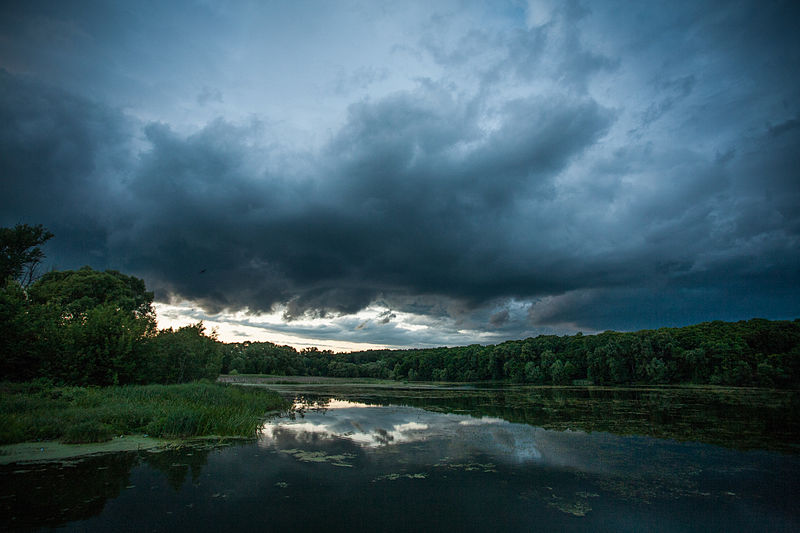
35 411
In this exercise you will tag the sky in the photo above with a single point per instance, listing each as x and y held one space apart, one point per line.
348 174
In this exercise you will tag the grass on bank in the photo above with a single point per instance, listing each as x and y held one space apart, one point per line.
34 411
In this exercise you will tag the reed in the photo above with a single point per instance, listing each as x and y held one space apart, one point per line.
40 411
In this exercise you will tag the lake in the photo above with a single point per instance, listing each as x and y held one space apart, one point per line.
450 458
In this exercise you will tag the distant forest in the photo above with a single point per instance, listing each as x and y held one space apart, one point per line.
755 352
86 327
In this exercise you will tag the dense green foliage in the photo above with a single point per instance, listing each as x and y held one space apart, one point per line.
78 292
33 411
86 327
748 353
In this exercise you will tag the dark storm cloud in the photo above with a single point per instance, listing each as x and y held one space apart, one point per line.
673 202
499 318
56 152
394 205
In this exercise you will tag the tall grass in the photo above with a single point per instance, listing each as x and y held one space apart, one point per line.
35 411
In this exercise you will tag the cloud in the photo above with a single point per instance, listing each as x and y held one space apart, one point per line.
359 79
208 95
499 318
402 201
59 154
673 92
386 317
511 177
783 127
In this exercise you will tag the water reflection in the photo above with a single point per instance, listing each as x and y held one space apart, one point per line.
735 418
430 437
375 427
455 461
54 493
45 495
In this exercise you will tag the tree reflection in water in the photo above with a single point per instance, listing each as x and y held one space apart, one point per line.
53 494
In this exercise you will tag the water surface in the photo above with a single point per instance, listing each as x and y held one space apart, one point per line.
470 460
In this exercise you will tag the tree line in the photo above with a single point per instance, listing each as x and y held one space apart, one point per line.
86 327
755 352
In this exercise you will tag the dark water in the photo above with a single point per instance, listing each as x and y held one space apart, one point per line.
374 460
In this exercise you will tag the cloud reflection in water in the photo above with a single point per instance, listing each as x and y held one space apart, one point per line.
376 429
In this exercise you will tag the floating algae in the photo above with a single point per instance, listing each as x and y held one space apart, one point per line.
646 491
574 507
468 467
577 505
320 457
395 476
53 451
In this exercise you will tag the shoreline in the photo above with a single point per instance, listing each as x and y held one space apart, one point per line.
28 453
50 451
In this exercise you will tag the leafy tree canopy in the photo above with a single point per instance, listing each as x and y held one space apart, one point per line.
78 291
20 253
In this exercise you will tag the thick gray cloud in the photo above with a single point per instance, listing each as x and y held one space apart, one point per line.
57 151
392 206
574 168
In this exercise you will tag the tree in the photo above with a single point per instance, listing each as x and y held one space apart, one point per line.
185 354
20 254
533 374
656 371
28 334
95 329
76 292
557 374
27 331
105 347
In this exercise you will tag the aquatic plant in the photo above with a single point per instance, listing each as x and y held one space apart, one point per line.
78 414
